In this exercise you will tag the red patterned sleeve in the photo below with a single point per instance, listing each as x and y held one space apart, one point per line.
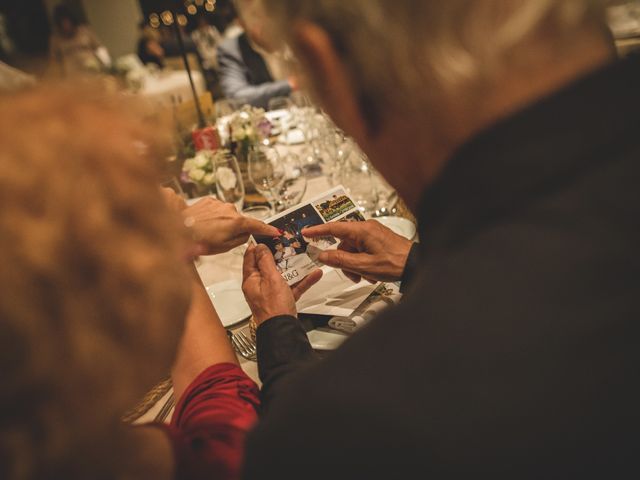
211 421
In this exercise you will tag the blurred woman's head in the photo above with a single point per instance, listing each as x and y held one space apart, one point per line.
65 21
93 289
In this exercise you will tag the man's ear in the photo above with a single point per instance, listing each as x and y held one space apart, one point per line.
328 77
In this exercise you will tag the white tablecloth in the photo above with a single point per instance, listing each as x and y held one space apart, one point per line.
167 84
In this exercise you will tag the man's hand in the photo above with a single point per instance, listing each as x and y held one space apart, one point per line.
267 294
217 227
367 250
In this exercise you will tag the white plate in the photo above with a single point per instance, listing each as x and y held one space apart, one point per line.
399 225
277 115
294 137
229 301
321 340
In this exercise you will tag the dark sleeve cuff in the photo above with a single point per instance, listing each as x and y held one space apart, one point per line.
281 341
410 268
283 347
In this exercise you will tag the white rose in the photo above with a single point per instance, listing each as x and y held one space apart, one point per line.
237 135
227 178
196 174
209 179
188 165
202 159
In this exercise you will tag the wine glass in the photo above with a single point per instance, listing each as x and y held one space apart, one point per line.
267 173
295 181
357 179
229 184
285 118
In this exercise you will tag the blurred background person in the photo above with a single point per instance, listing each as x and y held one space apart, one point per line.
245 76
207 38
74 48
150 49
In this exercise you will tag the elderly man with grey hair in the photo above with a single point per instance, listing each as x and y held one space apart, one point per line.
511 130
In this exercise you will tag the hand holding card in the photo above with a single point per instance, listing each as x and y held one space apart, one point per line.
295 255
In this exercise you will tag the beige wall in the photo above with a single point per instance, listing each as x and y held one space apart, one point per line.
115 22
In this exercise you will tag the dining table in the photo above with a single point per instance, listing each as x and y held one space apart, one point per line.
222 275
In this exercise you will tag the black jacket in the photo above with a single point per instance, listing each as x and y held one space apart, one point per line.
516 352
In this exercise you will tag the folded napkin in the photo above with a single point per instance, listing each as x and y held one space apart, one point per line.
385 295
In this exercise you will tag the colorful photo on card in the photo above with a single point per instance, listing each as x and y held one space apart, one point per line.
353 217
291 243
334 205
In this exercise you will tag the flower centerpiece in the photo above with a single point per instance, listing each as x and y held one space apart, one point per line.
248 126
199 171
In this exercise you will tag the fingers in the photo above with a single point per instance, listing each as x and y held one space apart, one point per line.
254 226
266 264
250 265
354 262
305 284
342 230
347 246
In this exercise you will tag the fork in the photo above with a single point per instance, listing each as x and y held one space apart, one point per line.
244 345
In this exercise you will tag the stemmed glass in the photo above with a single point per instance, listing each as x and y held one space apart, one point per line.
357 178
229 184
295 182
286 120
267 173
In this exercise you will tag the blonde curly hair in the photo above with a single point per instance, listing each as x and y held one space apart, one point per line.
93 290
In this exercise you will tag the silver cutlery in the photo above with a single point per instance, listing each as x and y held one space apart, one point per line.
166 409
244 345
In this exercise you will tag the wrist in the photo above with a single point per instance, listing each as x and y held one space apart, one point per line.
266 316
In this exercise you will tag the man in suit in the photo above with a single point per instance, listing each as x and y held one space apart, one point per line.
244 74
511 131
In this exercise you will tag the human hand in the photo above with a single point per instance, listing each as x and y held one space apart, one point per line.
266 292
367 250
217 227
174 201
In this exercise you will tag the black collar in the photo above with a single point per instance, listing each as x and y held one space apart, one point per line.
532 153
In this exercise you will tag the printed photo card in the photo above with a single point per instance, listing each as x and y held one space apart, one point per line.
296 256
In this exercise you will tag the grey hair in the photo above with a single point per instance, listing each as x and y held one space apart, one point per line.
416 49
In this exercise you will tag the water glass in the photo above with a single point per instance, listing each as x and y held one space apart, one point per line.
357 178
267 173
295 181
229 184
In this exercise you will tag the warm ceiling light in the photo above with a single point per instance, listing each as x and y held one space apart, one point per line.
192 9
209 6
154 17
182 20
154 22
167 17
199 2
